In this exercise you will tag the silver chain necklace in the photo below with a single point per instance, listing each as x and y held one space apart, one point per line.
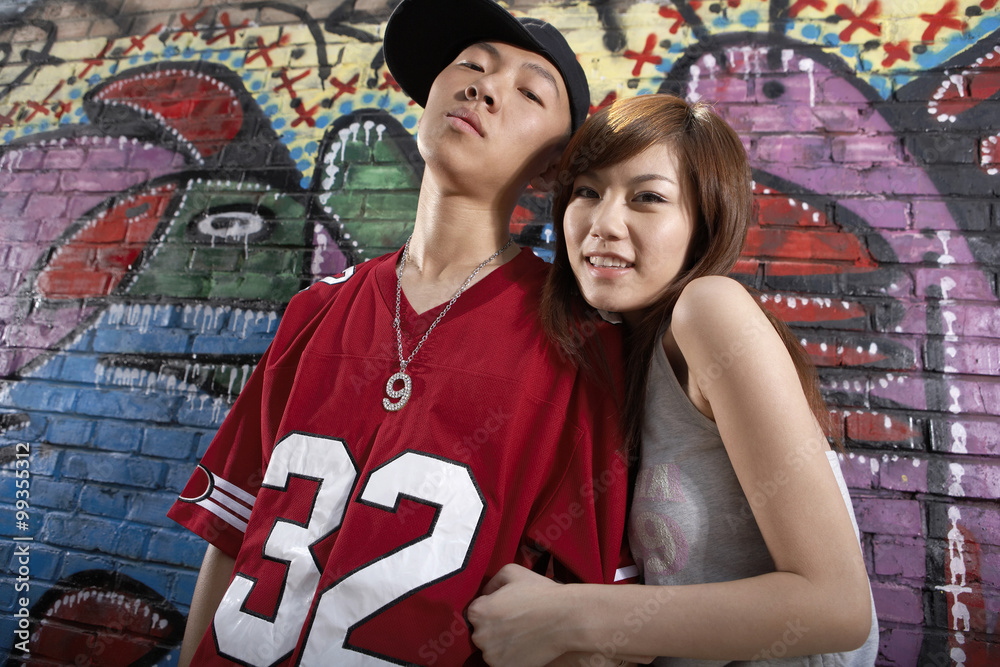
404 394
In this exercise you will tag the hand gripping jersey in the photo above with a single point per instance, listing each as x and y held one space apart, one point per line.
361 535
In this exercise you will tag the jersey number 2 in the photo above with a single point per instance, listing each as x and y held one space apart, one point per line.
261 641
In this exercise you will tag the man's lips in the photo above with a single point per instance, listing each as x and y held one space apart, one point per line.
465 117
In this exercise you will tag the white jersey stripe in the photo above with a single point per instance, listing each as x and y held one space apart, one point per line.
223 514
234 490
225 500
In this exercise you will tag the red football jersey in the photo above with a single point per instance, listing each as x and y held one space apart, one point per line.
361 535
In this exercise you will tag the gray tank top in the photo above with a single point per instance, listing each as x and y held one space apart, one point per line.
690 522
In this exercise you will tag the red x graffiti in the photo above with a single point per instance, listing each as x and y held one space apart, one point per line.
944 18
189 25
265 51
63 109
862 22
8 118
799 5
98 60
342 87
305 115
228 29
606 102
140 42
896 52
671 13
39 107
389 82
645 57
288 83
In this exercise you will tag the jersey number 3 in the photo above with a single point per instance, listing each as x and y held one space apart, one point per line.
257 640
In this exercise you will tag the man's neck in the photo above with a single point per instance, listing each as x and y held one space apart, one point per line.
452 235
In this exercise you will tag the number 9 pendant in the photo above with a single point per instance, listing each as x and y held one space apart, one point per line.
402 394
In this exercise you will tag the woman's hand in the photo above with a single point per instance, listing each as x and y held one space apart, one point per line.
517 618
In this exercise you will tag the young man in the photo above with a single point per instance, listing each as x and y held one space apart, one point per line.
352 521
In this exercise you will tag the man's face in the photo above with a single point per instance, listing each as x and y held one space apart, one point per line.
497 116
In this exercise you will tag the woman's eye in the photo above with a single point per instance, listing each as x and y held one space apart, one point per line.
471 65
531 96
586 192
649 198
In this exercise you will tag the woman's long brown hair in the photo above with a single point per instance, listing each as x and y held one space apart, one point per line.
716 183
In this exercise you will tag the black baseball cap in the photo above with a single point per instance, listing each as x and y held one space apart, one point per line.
423 36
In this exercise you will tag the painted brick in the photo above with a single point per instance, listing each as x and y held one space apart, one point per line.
105 501
793 149
860 471
960 356
897 603
866 149
899 431
157 578
114 468
940 148
177 547
66 158
171 443
42 181
888 516
246 323
64 431
107 158
205 411
376 177
45 561
184 586
54 494
151 508
900 557
74 562
879 213
79 532
117 436
177 477
927 213
46 207
40 396
953 284
114 403
152 342
900 647
223 345
964 478
87 181
130 541
903 473
966 435
205 319
980 520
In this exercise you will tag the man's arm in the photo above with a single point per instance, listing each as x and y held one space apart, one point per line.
213 580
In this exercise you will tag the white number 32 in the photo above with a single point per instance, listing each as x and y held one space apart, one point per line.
262 641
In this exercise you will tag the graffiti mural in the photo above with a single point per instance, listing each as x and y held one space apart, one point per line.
170 178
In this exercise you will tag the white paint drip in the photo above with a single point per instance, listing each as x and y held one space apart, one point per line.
807 65
959 439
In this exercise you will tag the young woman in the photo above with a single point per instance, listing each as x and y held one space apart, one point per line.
740 513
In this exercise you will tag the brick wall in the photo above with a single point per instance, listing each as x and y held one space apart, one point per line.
171 172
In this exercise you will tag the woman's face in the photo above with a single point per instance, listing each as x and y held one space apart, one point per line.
628 229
